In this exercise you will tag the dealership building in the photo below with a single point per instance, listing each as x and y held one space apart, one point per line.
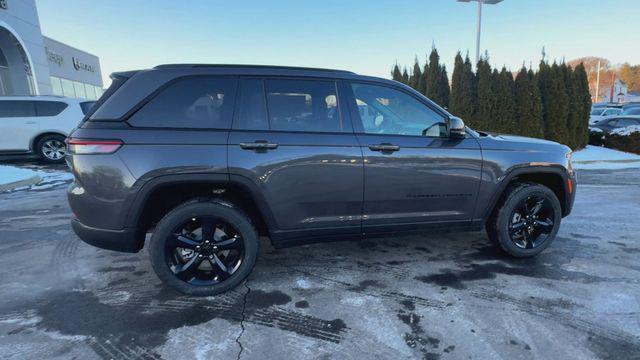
33 64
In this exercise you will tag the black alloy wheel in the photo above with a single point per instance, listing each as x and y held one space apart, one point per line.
531 222
204 247
204 251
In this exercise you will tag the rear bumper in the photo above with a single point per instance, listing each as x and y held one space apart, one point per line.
118 240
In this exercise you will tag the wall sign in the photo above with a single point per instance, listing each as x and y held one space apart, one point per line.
53 56
79 65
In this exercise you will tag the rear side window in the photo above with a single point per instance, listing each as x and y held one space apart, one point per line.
49 108
303 105
17 108
198 103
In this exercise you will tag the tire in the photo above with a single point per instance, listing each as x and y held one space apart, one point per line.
509 227
164 256
51 148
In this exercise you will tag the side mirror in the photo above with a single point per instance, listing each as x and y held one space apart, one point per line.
456 128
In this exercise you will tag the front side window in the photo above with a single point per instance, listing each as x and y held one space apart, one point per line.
304 105
199 103
49 108
626 122
384 110
609 112
17 108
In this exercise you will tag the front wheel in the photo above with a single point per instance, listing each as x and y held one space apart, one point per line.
204 248
527 221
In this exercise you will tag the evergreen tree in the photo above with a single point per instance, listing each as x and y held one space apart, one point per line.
396 74
456 100
495 120
416 75
485 97
405 76
505 104
554 102
572 105
470 88
444 91
527 111
583 99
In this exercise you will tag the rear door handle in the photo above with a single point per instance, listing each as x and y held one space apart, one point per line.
384 147
258 145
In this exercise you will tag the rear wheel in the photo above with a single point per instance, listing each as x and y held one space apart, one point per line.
204 248
527 221
51 148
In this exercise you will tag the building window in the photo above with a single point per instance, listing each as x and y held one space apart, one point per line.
79 88
67 88
56 86
90 91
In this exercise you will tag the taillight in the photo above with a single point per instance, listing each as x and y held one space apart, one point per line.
87 146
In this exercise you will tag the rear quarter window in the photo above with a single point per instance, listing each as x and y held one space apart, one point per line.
50 108
196 103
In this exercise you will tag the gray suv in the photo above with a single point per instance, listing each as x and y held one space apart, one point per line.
207 158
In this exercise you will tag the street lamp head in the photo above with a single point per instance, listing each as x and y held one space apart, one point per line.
488 2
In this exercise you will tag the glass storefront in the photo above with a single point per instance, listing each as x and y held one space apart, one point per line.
75 89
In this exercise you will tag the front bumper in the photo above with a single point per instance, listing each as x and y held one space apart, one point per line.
118 240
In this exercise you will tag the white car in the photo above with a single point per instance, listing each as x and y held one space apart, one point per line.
39 124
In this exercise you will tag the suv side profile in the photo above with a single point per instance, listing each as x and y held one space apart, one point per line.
207 158
39 124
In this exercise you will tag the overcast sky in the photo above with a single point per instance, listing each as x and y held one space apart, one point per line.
367 37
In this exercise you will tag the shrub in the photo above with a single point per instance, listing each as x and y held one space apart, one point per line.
624 139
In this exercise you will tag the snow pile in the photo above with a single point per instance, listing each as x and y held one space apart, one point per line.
595 157
626 131
11 177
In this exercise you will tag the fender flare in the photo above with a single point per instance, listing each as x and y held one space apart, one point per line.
554 169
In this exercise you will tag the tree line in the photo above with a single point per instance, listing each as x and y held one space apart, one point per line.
552 102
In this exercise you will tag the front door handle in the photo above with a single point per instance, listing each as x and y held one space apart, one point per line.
258 145
384 147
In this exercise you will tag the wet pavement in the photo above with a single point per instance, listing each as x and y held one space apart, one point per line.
433 296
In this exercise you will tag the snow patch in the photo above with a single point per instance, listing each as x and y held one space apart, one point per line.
626 131
601 158
11 174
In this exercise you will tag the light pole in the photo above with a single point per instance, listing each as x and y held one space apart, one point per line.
480 2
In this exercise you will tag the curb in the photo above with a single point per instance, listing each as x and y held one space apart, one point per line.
20 183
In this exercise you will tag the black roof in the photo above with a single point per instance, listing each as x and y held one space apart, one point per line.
246 66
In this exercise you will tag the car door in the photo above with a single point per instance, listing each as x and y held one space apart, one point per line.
294 147
414 174
17 124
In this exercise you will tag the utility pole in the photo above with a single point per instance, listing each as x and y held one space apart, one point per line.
597 83
479 30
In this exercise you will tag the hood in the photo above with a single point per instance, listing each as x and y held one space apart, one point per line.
513 142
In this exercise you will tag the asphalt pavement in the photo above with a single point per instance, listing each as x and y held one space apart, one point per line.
433 296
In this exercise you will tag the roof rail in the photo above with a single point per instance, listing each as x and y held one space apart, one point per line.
244 66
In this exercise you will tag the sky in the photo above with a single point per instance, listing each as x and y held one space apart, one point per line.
366 37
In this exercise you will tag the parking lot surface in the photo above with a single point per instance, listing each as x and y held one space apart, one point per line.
435 296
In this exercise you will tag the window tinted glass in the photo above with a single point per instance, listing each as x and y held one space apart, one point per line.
626 122
86 106
49 108
252 111
304 105
611 112
202 102
384 110
632 111
17 108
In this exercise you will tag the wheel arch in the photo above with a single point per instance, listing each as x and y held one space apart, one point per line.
34 140
159 195
553 177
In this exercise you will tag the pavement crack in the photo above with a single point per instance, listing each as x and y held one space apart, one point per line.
244 307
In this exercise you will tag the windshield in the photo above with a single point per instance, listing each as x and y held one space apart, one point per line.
596 111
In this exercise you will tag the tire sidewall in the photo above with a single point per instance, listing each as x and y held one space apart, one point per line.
40 144
177 216
504 218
